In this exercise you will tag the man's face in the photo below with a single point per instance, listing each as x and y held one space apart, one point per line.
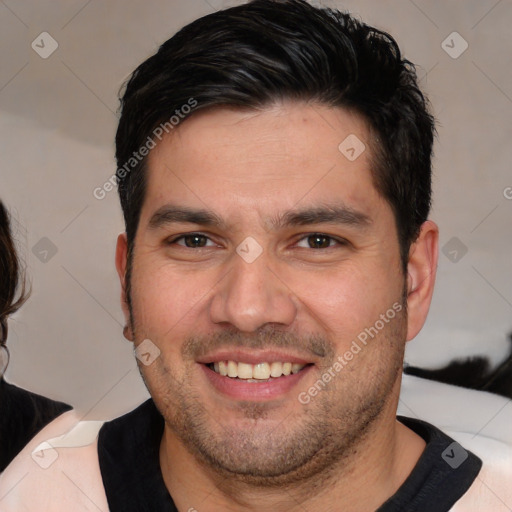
261 243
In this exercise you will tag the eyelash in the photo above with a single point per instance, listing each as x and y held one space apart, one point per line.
340 241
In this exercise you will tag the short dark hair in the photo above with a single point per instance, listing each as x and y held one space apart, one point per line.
12 283
253 55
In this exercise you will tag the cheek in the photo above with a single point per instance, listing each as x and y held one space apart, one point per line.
343 302
164 301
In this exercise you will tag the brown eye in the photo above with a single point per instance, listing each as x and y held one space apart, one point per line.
195 240
321 241
318 241
192 241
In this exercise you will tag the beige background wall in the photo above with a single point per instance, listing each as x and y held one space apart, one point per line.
57 124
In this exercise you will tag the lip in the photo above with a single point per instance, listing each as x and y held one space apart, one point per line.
238 389
252 357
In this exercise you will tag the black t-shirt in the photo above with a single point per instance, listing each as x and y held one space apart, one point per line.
22 415
128 451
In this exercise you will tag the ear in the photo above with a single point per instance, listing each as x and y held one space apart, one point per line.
121 263
421 276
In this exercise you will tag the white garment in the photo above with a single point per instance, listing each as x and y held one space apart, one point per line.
480 422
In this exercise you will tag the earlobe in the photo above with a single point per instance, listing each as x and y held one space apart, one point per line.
121 265
421 274
127 332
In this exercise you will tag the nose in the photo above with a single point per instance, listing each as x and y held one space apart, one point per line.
252 295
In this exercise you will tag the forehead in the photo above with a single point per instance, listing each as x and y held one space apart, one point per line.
279 157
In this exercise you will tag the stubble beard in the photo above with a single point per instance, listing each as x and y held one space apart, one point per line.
318 441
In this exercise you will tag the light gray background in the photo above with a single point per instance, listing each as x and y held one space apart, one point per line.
57 125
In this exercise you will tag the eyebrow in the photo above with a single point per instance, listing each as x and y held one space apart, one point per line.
170 214
328 214
324 214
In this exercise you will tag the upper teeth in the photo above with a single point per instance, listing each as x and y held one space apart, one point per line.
260 371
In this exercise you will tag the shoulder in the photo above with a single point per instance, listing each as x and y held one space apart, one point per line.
23 414
478 421
57 471
490 491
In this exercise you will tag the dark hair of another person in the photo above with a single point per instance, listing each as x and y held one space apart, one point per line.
22 413
266 51
12 284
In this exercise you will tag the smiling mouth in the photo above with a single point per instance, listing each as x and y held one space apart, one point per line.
261 372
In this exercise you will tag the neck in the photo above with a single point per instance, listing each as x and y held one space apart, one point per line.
381 461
